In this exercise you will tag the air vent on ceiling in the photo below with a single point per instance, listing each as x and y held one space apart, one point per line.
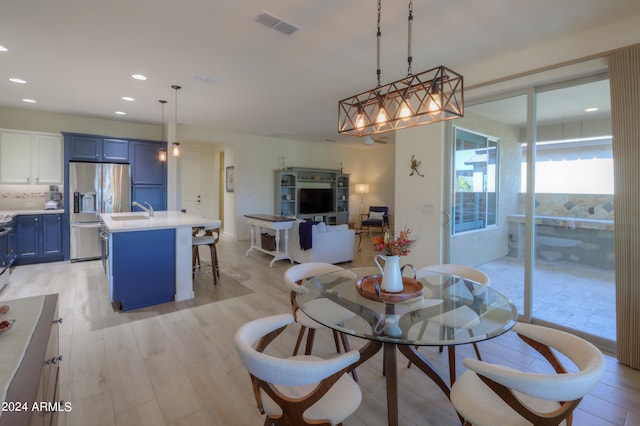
276 23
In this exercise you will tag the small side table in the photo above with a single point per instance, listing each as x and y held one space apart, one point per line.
277 223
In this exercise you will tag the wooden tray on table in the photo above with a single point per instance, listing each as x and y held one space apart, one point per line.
369 287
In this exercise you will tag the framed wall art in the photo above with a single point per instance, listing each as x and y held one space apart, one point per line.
230 178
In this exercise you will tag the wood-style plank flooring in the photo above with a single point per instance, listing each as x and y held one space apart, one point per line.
175 364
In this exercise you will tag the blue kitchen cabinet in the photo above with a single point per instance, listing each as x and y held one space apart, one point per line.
115 150
142 268
146 167
52 236
96 149
156 195
39 238
27 235
83 148
148 174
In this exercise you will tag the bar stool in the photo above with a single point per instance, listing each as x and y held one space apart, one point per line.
207 236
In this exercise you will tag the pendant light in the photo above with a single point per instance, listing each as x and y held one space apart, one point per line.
175 147
163 151
428 97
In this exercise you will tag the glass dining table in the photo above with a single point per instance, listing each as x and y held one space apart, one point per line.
407 320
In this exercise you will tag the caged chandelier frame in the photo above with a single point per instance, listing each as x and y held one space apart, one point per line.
428 97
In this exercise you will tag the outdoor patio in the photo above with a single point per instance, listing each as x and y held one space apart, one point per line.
566 293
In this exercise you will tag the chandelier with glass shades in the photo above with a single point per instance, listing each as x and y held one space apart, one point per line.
428 97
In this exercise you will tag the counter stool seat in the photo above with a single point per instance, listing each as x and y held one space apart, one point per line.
209 238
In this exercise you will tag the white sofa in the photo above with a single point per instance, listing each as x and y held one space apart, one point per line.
330 244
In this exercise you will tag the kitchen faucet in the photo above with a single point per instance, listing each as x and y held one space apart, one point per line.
148 210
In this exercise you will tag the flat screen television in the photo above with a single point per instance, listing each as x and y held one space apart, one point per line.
315 200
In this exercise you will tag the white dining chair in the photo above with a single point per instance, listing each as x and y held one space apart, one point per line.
493 394
299 390
460 318
293 277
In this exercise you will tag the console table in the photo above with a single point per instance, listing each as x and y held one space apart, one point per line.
277 223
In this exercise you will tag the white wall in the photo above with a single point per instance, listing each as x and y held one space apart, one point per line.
418 203
256 157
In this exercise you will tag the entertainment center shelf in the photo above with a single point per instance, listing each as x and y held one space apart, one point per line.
317 194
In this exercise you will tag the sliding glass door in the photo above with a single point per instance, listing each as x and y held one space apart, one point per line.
574 282
531 202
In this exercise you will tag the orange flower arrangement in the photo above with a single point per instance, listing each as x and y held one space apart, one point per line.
394 247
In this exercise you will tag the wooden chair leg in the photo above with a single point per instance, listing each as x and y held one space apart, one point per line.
212 249
311 334
452 363
423 328
194 251
215 259
299 340
347 348
336 341
475 347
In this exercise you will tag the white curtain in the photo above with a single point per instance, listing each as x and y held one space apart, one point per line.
624 68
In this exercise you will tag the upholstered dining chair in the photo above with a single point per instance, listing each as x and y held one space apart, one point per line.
492 394
459 318
378 218
293 277
300 390
207 236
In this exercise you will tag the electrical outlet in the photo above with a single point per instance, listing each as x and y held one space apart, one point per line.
427 209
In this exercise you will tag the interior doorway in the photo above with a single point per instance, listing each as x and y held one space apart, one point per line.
191 182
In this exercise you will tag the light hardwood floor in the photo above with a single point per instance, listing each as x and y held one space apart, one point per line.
175 364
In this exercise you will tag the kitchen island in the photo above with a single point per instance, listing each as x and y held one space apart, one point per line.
149 258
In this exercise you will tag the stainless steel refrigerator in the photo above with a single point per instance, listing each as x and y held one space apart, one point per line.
94 188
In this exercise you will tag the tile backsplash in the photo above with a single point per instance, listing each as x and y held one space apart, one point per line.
23 197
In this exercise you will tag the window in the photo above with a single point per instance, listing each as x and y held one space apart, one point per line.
475 162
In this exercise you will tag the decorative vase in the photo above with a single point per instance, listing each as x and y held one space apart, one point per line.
391 274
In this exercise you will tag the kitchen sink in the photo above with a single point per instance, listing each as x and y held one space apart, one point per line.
129 217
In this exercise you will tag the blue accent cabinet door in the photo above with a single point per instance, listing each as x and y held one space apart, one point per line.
27 233
84 148
143 268
115 150
39 238
52 236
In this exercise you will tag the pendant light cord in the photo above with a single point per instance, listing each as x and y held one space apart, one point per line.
379 39
410 30
162 122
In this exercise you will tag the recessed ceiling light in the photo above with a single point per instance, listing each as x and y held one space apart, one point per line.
3 49
121 113
139 76
592 109
29 101
128 98
17 80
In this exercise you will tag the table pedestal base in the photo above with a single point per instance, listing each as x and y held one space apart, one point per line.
391 372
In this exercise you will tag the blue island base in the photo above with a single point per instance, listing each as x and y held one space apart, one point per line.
142 268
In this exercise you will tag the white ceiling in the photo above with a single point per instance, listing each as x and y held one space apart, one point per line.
77 55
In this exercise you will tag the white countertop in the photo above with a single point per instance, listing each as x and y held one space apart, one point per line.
13 213
161 220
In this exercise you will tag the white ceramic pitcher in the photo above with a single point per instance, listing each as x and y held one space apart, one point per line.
391 274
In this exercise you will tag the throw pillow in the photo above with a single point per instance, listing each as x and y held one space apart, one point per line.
376 216
321 227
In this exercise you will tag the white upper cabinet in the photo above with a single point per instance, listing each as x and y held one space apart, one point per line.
31 158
